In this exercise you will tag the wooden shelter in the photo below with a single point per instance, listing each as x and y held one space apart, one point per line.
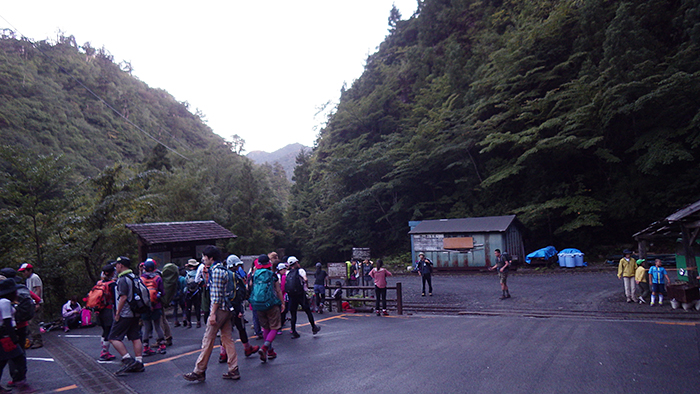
456 244
683 224
176 242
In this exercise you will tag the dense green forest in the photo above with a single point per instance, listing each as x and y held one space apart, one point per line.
581 117
87 148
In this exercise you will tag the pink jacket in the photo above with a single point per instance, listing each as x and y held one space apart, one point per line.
379 277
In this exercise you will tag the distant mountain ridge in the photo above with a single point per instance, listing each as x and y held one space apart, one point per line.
285 156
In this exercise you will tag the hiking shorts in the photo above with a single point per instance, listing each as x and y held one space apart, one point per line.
271 318
128 326
503 277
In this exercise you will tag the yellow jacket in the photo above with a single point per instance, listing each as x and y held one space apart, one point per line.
640 275
626 268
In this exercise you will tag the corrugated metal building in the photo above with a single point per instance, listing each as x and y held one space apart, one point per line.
456 244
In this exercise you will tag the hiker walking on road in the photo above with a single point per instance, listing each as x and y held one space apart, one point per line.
101 299
640 276
267 302
625 271
502 264
126 323
425 270
219 320
297 296
379 275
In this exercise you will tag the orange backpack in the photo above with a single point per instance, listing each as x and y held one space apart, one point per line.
152 286
98 298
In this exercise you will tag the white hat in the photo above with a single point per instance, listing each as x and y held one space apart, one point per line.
281 266
291 260
233 260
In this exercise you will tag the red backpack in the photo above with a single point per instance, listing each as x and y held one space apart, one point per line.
99 296
152 286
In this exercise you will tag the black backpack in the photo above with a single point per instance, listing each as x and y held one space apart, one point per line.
25 308
141 298
294 284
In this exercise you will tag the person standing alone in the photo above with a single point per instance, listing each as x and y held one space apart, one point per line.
34 283
379 275
425 270
502 264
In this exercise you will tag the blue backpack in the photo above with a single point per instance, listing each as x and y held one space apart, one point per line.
263 296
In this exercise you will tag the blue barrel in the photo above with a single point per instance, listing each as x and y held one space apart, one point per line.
578 259
562 260
570 262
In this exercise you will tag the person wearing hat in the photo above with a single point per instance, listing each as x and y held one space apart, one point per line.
152 320
640 276
282 270
10 349
625 271
126 323
193 294
297 296
34 283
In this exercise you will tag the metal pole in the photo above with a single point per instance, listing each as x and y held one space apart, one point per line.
399 299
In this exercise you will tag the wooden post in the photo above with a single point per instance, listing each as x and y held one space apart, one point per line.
691 267
399 299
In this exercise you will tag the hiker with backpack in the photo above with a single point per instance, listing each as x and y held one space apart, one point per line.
179 298
35 284
267 302
151 319
220 318
71 314
101 300
240 294
294 286
129 294
11 350
193 294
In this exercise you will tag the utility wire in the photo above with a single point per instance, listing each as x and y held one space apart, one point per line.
91 92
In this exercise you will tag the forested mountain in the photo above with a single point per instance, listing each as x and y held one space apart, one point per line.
58 98
581 117
286 157
73 171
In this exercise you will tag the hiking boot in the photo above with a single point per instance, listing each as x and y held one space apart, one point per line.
378 313
430 294
195 377
126 363
271 354
423 295
263 354
385 312
147 351
315 329
251 350
507 295
295 335
503 297
233 375
168 342
161 349
223 357
137 366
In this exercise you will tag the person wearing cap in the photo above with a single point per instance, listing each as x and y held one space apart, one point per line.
640 277
34 283
152 320
298 298
268 303
11 350
320 283
625 271
282 275
193 294
126 323
219 321
105 316
425 270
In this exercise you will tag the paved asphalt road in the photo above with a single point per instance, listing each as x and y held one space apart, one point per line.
429 353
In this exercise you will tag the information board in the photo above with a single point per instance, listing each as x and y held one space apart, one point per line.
360 254
337 270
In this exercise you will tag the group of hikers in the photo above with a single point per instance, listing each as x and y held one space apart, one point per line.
130 304
640 280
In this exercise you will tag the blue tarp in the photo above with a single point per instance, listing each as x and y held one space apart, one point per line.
544 253
570 250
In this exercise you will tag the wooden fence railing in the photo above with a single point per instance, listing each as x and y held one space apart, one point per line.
366 295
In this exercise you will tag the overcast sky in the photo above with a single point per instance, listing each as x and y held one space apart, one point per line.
259 69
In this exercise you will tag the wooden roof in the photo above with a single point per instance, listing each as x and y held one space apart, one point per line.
172 232
671 225
466 225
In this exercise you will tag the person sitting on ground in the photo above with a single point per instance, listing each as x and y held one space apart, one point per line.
71 314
